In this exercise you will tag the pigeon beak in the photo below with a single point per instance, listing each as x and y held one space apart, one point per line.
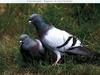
30 22
20 41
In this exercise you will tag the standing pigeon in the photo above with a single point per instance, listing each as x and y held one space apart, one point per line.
59 41
30 48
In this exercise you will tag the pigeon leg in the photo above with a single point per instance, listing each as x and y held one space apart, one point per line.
58 57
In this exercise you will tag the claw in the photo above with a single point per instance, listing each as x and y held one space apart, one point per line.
55 64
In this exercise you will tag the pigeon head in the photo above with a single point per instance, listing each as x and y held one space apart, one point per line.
23 37
39 22
34 18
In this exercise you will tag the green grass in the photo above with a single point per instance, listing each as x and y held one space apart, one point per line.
80 20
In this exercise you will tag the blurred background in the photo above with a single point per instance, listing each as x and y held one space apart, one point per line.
82 20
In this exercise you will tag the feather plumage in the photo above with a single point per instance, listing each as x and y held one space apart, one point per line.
30 48
59 41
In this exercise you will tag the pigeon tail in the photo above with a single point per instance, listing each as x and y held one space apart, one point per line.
83 51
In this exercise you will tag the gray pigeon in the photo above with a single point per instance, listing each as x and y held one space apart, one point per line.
30 48
59 41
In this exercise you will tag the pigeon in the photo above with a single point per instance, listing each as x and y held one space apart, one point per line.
30 48
57 40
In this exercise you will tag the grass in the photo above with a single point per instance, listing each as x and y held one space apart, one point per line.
80 20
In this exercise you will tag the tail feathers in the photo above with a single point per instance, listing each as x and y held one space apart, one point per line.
84 51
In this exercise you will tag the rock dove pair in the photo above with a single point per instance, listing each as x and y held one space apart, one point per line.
59 41
30 48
